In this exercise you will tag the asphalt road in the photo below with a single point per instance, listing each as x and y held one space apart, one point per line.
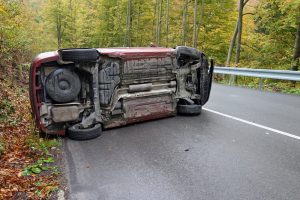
211 156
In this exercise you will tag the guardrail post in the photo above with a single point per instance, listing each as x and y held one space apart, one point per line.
261 83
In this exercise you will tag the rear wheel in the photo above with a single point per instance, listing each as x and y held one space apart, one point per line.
76 133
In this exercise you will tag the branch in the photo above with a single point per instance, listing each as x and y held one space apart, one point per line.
245 3
248 14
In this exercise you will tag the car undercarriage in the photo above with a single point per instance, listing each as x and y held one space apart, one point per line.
82 91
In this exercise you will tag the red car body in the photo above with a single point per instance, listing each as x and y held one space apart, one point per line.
149 75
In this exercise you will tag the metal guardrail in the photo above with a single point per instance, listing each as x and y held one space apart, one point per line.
259 73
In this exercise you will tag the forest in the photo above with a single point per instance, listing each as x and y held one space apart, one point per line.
266 40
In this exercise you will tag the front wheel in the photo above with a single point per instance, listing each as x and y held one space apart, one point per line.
76 133
189 109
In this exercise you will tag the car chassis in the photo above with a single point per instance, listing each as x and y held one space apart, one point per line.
83 91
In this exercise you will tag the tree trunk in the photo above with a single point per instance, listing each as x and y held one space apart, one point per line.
154 20
195 24
138 26
59 31
159 23
184 17
239 36
296 56
72 21
128 24
232 45
200 21
167 23
119 29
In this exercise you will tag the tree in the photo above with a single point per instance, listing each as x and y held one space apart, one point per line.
102 23
158 25
200 22
128 24
167 22
213 36
154 28
57 16
296 55
237 35
272 40
195 24
184 22
16 33
240 30
230 50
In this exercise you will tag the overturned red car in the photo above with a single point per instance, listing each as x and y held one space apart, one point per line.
81 92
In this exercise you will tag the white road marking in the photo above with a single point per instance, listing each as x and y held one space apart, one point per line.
254 124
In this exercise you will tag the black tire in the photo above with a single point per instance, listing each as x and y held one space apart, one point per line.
63 85
205 75
84 134
189 109
187 54
79 55
203 80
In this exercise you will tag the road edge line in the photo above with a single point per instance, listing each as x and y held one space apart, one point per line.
254 124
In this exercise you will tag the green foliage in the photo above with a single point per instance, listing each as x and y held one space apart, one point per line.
295 91
42 144
103 24
270 43
269 85
32 26
43 185
38 167
6 109
15 34
219 23
43 163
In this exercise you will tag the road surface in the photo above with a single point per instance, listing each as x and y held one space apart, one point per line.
244 145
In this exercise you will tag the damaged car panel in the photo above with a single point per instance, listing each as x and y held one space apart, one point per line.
82 91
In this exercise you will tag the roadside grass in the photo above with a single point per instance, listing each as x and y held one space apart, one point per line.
45 165
46 161
29 166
